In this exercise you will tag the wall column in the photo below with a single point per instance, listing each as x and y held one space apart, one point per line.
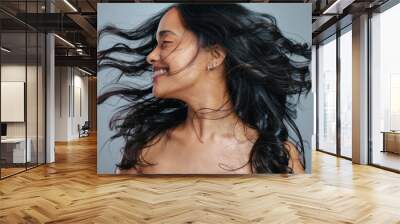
50 92
360 90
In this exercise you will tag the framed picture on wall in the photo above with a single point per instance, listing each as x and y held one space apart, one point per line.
12 101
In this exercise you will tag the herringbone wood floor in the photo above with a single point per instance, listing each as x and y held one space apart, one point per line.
70 191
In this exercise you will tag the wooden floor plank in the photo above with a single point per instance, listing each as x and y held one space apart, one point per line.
70 191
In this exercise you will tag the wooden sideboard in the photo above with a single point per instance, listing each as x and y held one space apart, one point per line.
391 141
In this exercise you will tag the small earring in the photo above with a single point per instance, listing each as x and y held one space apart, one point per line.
209 67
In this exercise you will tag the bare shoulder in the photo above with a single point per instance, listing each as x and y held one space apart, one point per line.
295 159
148 154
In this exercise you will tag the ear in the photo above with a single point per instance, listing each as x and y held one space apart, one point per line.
217 55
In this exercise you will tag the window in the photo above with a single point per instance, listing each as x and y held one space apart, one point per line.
327 95
385 89
346 75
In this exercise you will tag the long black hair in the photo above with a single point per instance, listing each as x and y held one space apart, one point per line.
265 71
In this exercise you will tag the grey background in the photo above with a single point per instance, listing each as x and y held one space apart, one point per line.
293 19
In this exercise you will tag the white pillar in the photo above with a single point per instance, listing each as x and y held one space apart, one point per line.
50 93
360 90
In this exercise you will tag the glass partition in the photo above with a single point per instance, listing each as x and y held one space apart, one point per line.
31 98
13 103
327 95
33 63
22 102
41 96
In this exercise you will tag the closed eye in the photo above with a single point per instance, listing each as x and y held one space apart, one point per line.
166 43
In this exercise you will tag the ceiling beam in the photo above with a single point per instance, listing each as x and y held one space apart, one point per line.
82 61
86 26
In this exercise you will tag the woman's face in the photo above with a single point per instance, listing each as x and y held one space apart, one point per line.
177 60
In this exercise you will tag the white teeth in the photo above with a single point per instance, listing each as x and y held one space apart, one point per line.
160 72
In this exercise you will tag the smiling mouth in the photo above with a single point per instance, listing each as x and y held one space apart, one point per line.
159 72
162 71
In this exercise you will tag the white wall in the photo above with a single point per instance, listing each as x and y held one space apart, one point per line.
70 83
61 103
16 73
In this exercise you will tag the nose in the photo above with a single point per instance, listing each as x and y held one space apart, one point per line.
153 56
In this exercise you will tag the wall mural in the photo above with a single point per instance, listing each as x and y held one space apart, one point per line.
204 88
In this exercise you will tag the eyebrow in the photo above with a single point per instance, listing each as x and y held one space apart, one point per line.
165 32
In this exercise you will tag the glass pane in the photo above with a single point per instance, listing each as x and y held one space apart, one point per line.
31 98
346 94
31 85
327 96
41 98
23 82
13 87
385 86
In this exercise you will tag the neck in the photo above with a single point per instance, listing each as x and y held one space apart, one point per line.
210 112
210 118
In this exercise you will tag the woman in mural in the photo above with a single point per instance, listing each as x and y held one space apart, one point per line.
218 100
